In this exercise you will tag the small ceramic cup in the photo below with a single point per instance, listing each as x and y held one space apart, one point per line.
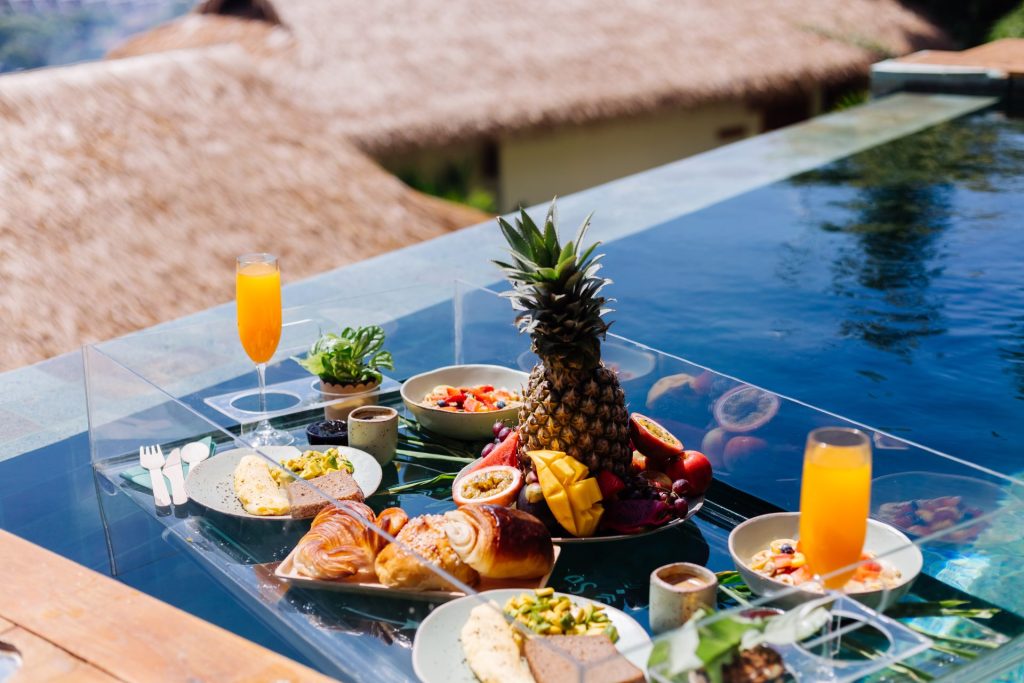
374 429
677 591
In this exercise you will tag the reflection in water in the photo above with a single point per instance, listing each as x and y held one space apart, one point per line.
1012 352
901 207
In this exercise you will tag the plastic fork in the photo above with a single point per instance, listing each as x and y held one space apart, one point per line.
152 459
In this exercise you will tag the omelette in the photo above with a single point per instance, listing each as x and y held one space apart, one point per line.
257 490
490 650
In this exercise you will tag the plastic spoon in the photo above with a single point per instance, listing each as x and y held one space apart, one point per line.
194 453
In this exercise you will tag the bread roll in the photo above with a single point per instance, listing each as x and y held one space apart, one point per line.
499 542
397 568
340 546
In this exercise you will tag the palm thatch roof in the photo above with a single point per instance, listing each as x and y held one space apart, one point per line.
398 74
129 187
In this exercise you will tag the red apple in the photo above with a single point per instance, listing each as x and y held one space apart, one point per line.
694 467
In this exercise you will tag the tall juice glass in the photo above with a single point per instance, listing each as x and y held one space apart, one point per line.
835 499
258 294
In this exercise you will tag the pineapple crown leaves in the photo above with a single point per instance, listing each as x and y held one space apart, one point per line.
557 289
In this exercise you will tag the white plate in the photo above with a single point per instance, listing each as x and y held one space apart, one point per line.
211 482
437 653
286 571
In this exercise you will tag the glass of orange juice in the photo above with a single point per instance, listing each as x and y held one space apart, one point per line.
258 294
835 498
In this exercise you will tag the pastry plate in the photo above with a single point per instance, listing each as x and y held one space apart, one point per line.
211 482
437 652
287 572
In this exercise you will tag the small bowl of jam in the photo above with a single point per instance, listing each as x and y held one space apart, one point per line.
333 432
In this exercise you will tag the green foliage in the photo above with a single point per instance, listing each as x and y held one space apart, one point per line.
967 22
556 288
353 357
1010 26
852 98
454 184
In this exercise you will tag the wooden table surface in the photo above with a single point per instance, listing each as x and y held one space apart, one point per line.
73 624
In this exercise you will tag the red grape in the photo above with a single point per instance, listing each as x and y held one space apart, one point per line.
682 488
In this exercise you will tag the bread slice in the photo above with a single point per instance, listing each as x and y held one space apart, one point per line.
591 659
306 502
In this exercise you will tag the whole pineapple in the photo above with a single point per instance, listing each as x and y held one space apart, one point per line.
573 402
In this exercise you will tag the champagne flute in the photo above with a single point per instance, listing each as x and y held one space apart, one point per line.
258 292
835 499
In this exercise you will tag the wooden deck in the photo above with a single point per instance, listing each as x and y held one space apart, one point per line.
73 624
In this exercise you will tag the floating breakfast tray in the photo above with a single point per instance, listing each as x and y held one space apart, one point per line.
287 572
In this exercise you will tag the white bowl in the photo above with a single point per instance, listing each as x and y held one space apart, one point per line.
887 542
468 426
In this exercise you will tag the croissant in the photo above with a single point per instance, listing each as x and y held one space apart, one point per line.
499 542
424 535
341 546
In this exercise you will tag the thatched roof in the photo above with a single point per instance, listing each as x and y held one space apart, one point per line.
405 73
129 187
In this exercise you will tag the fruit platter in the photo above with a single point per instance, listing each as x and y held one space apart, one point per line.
577 507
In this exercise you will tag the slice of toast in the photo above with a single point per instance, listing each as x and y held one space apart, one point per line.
591 659
306 502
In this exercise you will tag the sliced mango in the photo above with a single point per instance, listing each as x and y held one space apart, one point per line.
573 498
584 494
545 456
560 508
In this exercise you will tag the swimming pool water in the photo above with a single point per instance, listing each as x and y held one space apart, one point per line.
886 287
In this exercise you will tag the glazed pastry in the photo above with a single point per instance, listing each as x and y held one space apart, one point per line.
499 542
397 568
339 546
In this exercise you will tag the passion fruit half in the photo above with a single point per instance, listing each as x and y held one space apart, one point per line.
653 440
494 485
744 409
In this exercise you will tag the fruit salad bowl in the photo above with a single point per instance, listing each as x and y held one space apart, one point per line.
887 543
460 424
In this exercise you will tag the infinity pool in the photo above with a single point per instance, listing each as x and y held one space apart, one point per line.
886 287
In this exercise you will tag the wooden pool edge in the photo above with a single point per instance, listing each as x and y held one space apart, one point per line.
69 621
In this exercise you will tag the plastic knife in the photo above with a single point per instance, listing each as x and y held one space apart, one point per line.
172 470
